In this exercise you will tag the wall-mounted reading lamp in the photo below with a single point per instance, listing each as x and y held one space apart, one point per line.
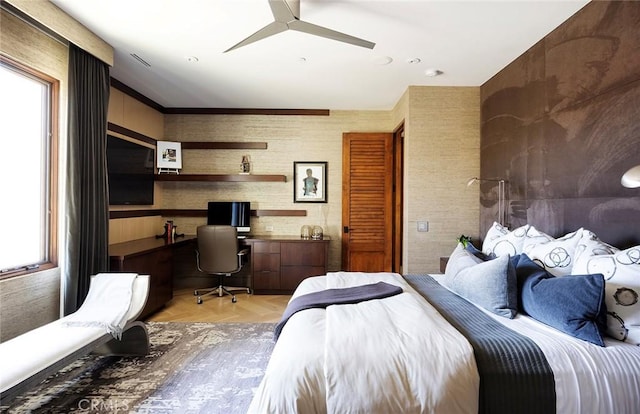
501 195
631 179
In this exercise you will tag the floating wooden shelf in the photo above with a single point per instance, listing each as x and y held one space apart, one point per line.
117 214
221 177
223 145
284 213
254 213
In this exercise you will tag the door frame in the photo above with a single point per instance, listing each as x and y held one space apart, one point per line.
398 197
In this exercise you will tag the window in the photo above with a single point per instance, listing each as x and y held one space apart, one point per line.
27 169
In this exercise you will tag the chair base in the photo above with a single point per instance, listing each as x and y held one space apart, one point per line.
220 290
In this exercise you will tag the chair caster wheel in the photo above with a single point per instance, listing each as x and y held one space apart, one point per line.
195 293
234 300
199 301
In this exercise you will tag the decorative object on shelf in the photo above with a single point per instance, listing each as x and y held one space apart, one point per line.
309 181
245 166
631 179
305 232
168 157
317 233
501 196
170 232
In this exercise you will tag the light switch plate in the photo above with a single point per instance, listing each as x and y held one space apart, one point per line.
423 226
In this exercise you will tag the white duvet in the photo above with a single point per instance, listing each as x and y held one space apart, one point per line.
398 355
401 356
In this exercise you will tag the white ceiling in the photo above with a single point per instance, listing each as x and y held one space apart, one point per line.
469 41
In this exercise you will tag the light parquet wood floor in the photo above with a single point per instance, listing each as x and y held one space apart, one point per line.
248 308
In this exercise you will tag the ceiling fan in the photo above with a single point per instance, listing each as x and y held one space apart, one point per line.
286 14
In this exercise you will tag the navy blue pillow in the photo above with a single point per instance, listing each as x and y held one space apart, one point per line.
572 304
479 253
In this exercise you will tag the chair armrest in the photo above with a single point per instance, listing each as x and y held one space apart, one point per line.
241 254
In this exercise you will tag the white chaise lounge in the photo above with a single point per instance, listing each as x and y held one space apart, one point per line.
31 357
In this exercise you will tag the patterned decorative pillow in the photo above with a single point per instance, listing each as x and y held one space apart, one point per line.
556 256
589 245
621 271
499 241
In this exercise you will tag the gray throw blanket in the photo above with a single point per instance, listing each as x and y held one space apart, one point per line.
341 296
515 376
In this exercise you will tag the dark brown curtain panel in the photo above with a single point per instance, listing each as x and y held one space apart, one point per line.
87 203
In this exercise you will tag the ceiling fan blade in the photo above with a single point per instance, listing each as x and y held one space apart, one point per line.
285 10
316 30
269 30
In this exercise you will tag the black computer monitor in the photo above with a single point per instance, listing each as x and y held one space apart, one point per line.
230 213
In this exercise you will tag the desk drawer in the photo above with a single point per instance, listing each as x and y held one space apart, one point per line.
264 262
266 247
304 254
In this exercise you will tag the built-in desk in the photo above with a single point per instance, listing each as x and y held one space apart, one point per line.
153 257
277 263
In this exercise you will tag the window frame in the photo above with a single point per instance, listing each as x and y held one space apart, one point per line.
52 142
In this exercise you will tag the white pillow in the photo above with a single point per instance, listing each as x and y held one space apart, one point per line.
502 242
495 232
589 245
621 272
556 256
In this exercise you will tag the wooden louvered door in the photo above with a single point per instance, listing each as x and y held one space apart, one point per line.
367 202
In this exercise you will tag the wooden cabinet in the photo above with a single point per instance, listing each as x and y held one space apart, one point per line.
279 264
265 264
149 256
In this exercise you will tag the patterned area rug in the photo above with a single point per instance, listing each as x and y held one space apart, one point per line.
192 368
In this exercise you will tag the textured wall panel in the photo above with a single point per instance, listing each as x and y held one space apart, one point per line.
561 125
442 139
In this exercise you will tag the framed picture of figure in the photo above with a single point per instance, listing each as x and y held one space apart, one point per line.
309 181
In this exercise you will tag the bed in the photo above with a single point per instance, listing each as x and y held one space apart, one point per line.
432 349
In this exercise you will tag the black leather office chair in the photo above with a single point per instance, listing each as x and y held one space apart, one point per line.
218 255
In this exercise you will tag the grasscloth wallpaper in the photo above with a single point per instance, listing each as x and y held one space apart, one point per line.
562 124
441 153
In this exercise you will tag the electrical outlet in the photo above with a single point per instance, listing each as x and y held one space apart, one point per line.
269 228
423 226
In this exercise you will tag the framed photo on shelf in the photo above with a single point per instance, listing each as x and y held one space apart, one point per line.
309 181
168 155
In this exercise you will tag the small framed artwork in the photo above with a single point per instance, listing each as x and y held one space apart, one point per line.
168 155
309 181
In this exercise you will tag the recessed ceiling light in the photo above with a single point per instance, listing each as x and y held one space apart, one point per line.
192 59
382 60
414 61
433 72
